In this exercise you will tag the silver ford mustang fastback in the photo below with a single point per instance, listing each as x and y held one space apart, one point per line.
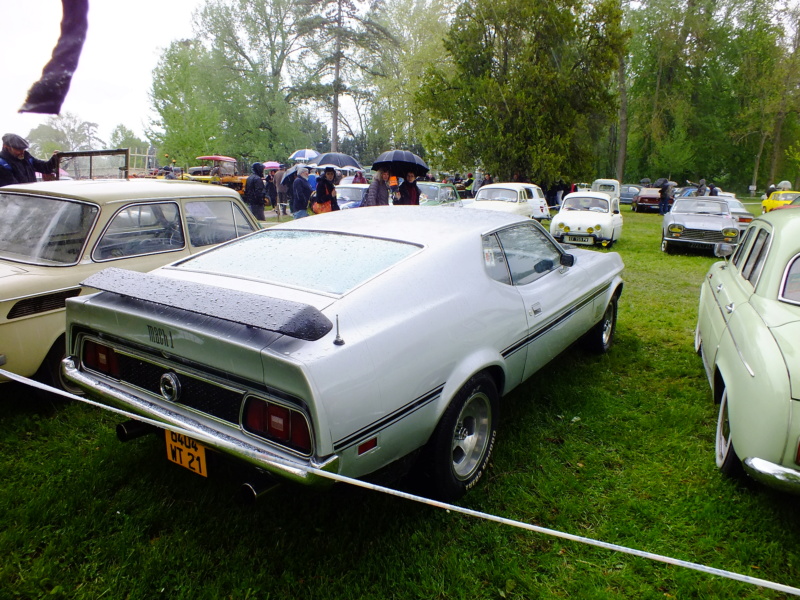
343 342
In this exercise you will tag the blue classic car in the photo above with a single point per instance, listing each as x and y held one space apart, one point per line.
368 338
748 334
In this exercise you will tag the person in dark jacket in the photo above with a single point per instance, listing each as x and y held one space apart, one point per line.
712 190
409 192
301 193
326 190
255 191
16 163
272 190
663 196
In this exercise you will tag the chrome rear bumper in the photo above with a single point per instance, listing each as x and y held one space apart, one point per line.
234 443
775 476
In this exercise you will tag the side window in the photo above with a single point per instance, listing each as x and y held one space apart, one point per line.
215 221
141 229
494 260
791 284
741 248
529 253
755 260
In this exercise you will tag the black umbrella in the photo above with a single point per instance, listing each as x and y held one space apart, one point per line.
291 173
337 160
400 162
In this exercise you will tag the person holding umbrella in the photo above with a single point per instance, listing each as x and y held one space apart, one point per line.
378 191
325 201
409 191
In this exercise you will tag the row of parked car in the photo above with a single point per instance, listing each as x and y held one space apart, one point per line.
331 343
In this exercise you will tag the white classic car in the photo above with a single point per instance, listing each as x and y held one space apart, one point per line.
747 334
607 186
588 218
525 199
369 336
55 234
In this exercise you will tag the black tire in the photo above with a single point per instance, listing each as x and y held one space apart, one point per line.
727 460
601 336
50 373
462 444
633 208
666 246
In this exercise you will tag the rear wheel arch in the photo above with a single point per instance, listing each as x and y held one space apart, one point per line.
460 448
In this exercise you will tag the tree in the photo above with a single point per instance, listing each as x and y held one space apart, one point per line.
122 137
530 83
65 132
341 42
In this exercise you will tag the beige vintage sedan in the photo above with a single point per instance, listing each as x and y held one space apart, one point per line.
53 235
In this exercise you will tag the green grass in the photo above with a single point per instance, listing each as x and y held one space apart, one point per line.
616 447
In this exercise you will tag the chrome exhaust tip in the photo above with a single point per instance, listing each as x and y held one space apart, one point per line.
132 429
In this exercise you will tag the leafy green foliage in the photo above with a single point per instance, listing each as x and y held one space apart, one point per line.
528 78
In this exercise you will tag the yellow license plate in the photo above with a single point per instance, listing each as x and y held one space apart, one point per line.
186 452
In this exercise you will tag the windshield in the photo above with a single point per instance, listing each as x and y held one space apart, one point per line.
43 231
349 193
701 207
319 261
497 194
585 203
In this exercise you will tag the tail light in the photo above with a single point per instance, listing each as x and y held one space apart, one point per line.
100 358
277 423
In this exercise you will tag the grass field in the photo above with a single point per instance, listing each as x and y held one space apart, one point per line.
618 448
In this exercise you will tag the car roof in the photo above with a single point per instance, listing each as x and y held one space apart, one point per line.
427 225
583 194
105 191
509 185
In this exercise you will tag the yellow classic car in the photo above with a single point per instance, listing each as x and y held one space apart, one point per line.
776 199
55 234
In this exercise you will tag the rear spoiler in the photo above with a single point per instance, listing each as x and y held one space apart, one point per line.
294 319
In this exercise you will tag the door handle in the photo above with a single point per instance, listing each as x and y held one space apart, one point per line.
536 310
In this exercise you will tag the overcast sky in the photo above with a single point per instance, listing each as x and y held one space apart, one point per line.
111 84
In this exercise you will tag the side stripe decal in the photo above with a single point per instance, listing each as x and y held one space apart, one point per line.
518 345
400 413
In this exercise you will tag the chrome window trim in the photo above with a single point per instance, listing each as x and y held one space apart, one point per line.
85 242
181 218
785 276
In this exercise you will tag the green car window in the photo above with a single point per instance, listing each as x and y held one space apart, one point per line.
755 260
791 284
141 229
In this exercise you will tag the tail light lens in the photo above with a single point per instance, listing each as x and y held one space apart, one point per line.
277 423
100 358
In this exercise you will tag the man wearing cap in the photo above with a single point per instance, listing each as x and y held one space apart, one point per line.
16 163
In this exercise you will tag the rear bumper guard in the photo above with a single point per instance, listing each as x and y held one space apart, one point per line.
239 446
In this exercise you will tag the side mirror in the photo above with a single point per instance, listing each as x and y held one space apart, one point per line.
723 250
568 260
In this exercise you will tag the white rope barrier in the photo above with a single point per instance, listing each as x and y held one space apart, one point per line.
422 500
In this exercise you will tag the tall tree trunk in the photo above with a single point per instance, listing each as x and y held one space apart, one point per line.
622 143
337 67
776 145
761 142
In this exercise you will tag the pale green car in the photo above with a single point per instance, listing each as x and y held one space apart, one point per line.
53 235
748 334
